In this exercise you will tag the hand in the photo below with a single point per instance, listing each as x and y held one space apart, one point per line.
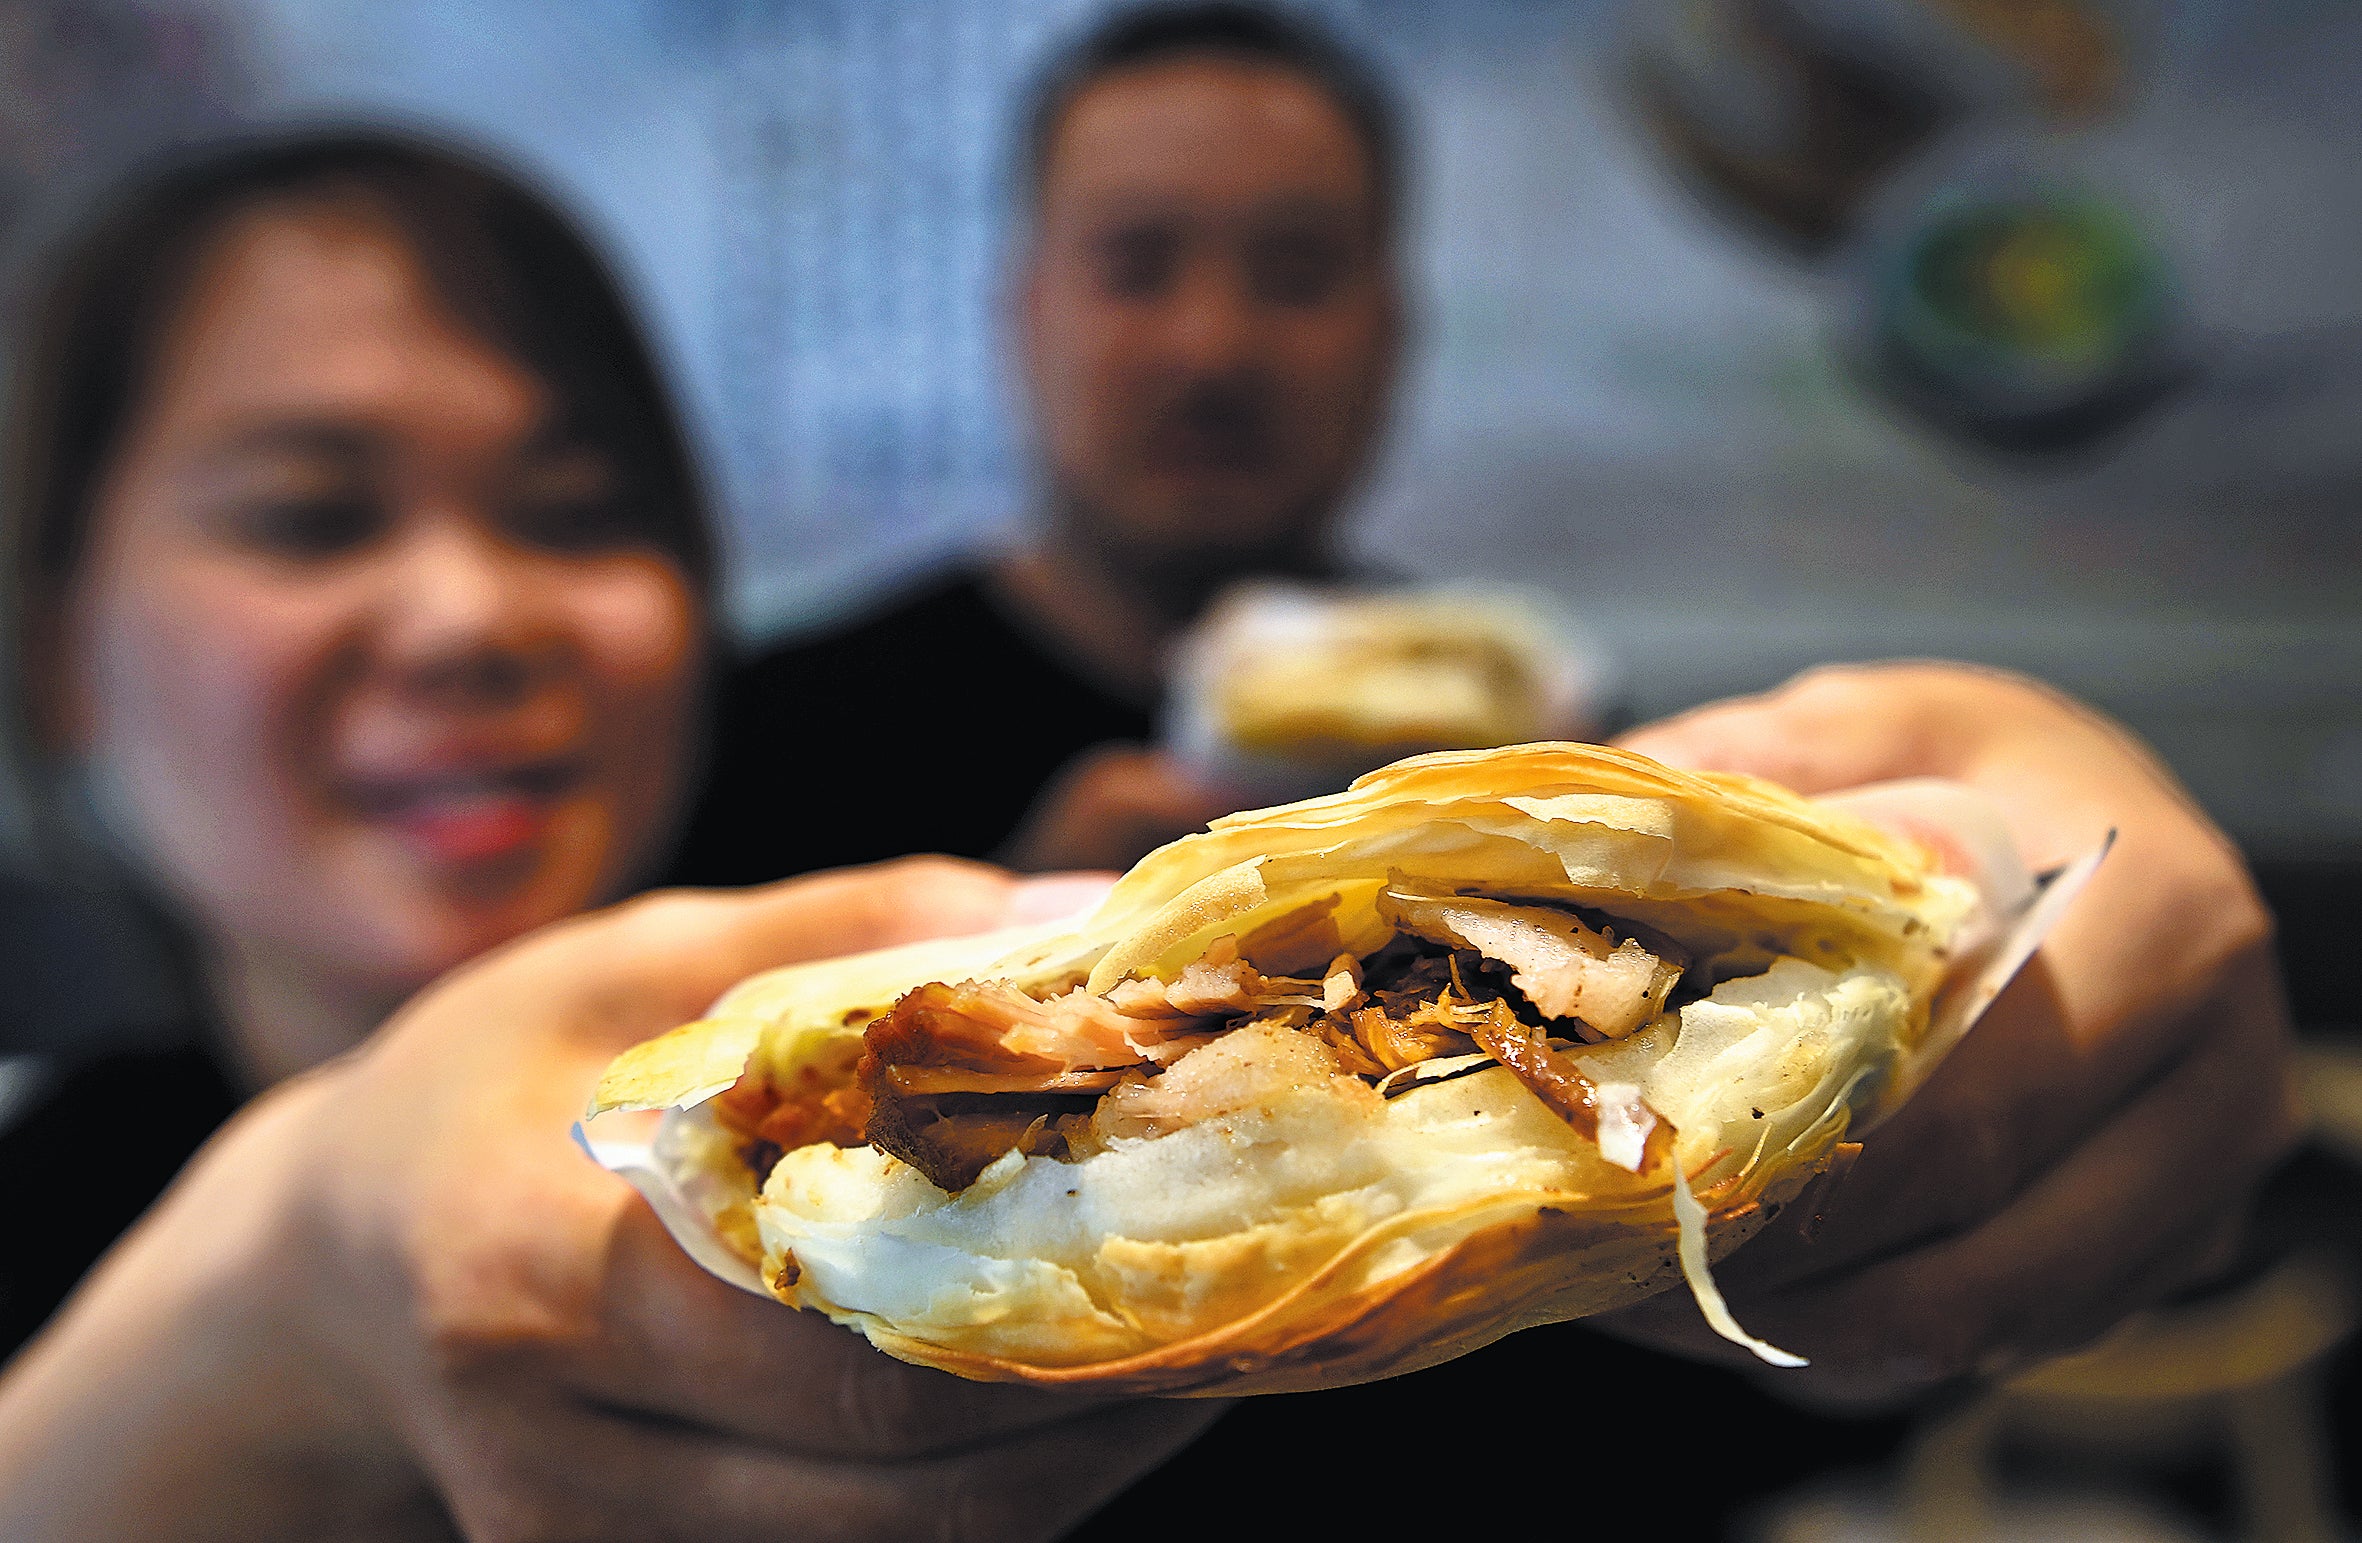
396 1289
1111 806
2093 1142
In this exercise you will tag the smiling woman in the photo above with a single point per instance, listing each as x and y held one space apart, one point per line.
359 584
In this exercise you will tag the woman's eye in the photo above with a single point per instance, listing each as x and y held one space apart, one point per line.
309 527
572 503
574 524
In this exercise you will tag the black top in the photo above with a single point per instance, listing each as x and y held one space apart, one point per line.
97 1145
926 726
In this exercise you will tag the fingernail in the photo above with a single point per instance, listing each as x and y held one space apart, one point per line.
1058 896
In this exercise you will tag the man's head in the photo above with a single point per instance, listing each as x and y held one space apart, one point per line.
1210 306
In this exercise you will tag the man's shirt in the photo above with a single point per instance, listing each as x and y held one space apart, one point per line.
929 724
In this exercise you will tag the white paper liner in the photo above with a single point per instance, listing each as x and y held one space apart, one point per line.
684 1197
1962 824
1983 974
1971 841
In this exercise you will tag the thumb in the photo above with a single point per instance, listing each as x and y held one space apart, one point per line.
724 935
1742 735
1053 897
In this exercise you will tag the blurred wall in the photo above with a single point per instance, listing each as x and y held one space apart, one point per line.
1615 391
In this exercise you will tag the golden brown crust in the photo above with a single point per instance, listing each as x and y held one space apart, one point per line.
1548 1263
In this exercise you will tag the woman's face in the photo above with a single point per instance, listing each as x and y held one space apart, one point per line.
363 649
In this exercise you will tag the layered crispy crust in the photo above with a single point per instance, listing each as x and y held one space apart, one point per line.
1742 873
1541 1259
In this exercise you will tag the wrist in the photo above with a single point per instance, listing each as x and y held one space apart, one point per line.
177 1394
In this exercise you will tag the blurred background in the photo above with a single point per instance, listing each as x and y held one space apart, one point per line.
1675 357
1759 332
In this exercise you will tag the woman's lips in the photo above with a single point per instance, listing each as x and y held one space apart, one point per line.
463 819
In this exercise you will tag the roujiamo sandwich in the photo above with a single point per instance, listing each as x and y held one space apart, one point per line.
1329 1091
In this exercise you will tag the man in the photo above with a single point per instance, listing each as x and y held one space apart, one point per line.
1210 316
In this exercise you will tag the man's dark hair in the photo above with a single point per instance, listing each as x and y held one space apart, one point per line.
1260 34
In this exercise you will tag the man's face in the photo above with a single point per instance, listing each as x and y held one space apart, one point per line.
1210 310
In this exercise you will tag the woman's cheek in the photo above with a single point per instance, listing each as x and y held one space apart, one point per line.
640 627
202 685
643 643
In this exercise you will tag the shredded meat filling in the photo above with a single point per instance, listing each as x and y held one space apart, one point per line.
957 1075
1398 1012
1220 983
1607 986
819 1104
954 1076
1560 1084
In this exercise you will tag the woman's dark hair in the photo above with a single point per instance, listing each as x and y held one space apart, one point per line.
1260 34
505 263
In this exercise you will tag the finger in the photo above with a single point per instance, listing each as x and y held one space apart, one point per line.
1109 806
1823 730
841 911
676 1342
2128 1214
1739 734
1167 785
535 1471
1053 897
1150 789
1840 726
663 958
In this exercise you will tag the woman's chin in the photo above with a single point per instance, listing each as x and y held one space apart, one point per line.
399 916
437 928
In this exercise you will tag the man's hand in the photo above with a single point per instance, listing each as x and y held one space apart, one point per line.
1111 806
2093 1142
397 1289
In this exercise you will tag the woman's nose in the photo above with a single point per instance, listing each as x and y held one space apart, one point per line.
463 609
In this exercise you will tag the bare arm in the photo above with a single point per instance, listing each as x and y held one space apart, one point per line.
394 1292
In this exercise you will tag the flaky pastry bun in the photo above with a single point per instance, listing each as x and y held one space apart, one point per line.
1288 690
1329 1091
